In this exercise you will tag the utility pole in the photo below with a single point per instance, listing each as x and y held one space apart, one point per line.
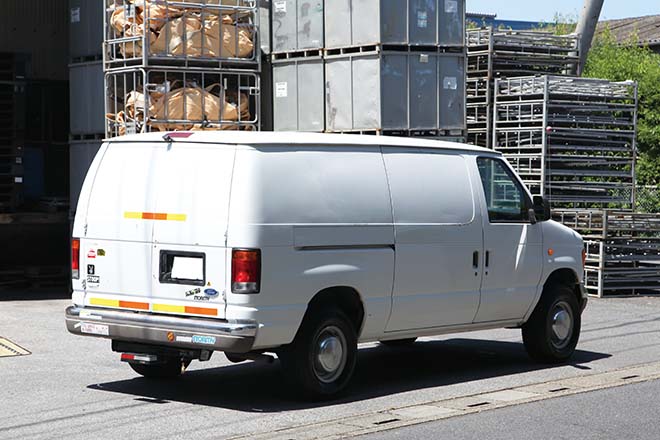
586 28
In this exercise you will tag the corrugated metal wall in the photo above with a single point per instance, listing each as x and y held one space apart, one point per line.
38 28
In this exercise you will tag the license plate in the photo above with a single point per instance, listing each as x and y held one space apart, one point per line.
95 329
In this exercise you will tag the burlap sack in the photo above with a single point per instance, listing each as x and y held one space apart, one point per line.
196 105
189 36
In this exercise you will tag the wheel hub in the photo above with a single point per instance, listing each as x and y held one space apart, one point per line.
330 352
330 356
562 324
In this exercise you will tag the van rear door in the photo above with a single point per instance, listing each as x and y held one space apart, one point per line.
156 226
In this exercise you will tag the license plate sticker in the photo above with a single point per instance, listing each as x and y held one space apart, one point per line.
95 329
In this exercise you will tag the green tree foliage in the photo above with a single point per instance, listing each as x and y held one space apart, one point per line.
620 62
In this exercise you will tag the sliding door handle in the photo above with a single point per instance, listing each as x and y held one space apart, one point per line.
475 260
487 263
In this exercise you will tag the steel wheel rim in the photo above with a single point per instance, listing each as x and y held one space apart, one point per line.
330 353
562 323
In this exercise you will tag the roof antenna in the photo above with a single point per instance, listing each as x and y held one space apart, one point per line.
167 138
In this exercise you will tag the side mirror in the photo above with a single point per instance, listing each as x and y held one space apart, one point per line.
541 208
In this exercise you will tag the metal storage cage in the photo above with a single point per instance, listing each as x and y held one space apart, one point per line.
141 100
87 106
395 90
85 30
623 250
394 22
298 97
570 139
493 54
297 25
183 34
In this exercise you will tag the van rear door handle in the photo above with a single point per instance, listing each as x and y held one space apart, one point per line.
487 258
475 259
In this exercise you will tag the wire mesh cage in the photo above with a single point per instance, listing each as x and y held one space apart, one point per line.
148 100
571 139
182 33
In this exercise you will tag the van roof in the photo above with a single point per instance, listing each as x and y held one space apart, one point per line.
297 138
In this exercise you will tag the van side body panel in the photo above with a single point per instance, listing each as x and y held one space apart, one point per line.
321 220
438 231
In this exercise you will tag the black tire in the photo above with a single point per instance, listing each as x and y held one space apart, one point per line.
395 343
315 347
552 332
170 369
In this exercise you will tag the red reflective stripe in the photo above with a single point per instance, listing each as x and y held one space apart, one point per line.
202 311
127 357
154 216
134 305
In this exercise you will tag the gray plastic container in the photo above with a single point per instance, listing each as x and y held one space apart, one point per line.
451 78
85 29
298 100
87 98
297 25
395 91
351 23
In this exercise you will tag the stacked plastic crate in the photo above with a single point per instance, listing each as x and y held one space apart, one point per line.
496 54
12 127
370 66
86 97
181 65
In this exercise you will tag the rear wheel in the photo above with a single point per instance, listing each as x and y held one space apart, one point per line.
169 369
552 332
399 342
321 360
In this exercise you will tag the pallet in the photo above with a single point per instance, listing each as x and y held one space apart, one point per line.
34 277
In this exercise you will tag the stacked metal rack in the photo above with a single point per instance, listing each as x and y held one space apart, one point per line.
182 65
623 250
495 54
12 125
570 139
370 67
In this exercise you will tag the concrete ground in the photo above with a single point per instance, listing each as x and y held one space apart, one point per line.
75 387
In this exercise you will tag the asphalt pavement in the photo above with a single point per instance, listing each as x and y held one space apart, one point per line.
75 387
615 413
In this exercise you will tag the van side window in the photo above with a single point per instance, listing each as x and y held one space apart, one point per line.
505 198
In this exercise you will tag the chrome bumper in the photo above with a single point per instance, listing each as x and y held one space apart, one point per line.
167 331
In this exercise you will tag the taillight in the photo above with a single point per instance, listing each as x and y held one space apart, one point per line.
584 257
75 258
245 270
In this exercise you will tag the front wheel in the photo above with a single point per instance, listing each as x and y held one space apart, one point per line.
169 369
552 332
321 360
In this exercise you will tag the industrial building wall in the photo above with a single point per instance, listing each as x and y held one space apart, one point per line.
39 29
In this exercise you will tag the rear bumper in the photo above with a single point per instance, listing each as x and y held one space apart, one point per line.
167 331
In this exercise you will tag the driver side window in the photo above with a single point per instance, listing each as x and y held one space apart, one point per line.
506 200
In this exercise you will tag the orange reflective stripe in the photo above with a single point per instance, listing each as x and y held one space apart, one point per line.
155 216
134 305
202 311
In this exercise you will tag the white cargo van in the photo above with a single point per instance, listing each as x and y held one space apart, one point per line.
305 245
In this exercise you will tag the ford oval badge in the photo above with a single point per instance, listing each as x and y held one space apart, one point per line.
210 292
